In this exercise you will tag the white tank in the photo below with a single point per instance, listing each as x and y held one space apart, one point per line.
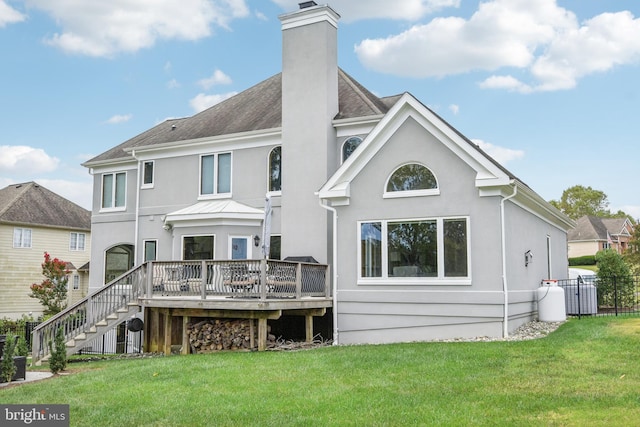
551 305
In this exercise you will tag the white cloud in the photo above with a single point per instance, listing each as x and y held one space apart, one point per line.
455 109
202 101
26 161
217 78
119 118
634 211
79 192
97 28
539 38
8 15
349 10
500 154
173 84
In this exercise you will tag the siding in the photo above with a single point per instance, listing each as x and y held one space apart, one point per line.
19 268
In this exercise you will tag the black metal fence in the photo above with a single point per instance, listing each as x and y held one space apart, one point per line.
602 296
119 340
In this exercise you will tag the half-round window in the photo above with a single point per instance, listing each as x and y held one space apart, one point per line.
350 146
412 179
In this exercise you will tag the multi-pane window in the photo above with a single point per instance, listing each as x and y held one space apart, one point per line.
422 248
114 189
76 282
215 174
411 180
350 146
21 237
147 174
275 242
77 241
275 169
150 250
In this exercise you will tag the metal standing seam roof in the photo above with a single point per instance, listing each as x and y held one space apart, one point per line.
31 204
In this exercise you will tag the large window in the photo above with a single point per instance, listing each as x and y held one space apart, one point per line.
215 174
197 247
421 249
411 180
114 190
21 237
275 169
76 241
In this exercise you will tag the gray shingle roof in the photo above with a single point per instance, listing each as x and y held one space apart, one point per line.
257 108
31 204
595 228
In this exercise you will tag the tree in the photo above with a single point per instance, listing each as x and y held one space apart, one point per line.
578 201
58 360
52 292
615 283
7 366
632 254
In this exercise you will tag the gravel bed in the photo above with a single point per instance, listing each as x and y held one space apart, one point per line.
528 331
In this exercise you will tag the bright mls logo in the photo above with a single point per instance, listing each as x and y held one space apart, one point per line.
34 415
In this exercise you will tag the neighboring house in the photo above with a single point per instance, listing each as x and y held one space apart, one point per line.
593 234
426 235
34 220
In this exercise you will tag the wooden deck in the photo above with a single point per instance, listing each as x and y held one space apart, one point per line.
172 293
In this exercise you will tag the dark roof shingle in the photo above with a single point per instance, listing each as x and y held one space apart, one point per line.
30 203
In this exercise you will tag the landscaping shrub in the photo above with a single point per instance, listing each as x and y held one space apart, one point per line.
615 282
582 260
58 360
7 367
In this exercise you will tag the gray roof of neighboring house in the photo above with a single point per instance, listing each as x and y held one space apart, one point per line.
595 228
31 204
257 108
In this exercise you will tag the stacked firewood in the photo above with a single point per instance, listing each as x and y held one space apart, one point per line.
223 334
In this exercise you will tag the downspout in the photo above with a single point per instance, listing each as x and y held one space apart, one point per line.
137 231
505 287
335 271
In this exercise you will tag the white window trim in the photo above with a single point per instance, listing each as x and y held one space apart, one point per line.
113 196
250 245
410 193
144 249
22 245
440 280
275 192
342 159
215 194
153 175
76 248
75 280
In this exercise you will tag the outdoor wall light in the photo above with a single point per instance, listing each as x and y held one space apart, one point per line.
167 227
528 258
256 240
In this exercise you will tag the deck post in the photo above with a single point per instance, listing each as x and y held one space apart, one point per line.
252 332
299 281
167 331
263 279
185 335
149 284
308 323
262 334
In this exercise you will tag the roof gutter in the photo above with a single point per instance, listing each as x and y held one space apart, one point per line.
336 330
505 286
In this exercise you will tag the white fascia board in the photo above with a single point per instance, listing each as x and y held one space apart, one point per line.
213 221
308 16
488 174
530 201
356 126
111 166
238 141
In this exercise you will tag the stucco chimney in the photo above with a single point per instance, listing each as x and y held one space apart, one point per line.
309 104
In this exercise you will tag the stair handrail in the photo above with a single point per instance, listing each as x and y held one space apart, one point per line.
81 316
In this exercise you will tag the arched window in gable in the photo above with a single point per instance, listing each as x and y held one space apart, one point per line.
410 180
350 146
275 169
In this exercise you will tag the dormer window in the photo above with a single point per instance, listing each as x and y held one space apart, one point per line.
411 180
350 146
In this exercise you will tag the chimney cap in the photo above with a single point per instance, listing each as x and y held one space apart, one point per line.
306 4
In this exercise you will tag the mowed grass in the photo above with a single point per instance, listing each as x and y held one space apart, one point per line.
587 373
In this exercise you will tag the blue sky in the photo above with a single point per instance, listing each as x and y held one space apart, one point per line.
550 88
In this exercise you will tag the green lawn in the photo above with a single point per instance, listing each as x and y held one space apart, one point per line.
585 373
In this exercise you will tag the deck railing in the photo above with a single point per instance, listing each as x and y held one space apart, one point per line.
87 313
257 279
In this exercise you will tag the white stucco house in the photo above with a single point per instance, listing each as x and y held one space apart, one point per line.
425 235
